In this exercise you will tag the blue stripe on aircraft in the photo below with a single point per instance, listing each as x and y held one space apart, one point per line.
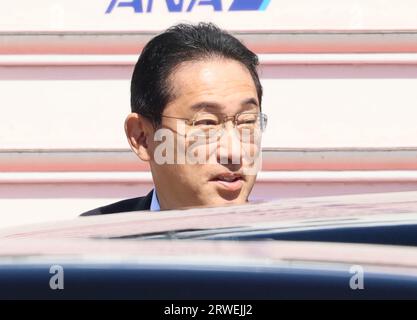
242 5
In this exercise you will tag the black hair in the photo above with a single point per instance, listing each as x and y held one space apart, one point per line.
150 88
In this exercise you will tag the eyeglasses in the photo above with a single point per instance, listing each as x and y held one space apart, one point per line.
214 124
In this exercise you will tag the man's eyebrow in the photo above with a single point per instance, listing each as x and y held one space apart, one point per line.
206 105
250 101
217 106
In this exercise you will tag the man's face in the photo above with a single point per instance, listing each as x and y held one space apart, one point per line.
211 87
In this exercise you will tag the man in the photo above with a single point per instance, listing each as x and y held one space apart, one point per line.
196 117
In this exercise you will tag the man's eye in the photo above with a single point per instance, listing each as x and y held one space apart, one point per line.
247 122
206 122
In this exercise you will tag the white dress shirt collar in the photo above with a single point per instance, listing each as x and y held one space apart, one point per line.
155 203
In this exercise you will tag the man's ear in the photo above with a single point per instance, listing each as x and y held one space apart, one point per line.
139 132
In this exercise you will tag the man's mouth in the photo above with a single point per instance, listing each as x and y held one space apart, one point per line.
229 181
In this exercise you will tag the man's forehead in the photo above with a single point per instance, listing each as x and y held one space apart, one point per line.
229 90
216 73
213 83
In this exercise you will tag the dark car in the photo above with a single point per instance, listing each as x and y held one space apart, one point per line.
340 247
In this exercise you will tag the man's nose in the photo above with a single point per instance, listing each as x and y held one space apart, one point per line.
230 146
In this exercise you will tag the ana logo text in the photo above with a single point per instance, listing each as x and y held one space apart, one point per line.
141 6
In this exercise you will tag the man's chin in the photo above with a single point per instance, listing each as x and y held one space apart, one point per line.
219 200
226 198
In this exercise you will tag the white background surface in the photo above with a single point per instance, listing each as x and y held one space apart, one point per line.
348 99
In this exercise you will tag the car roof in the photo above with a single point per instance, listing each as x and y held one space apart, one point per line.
86 240
318 212
266 253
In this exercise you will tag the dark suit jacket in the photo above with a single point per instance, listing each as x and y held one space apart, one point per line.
135 204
